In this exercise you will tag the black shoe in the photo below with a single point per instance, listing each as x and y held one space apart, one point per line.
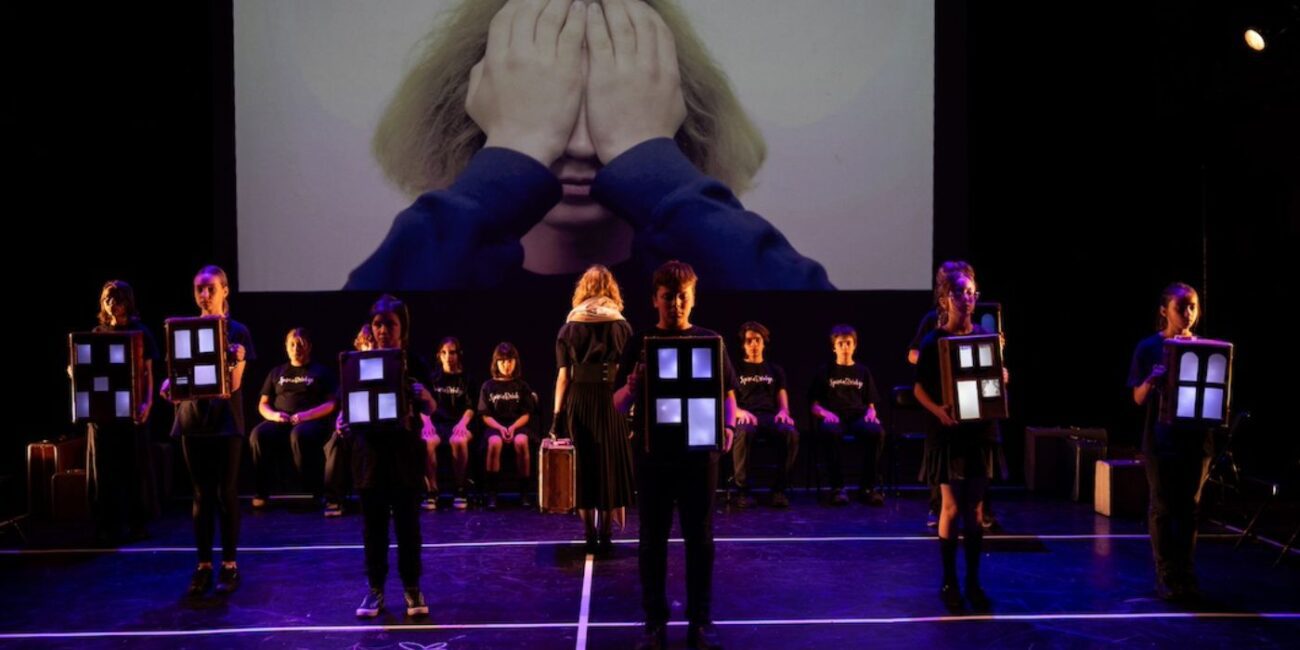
227 580
415 605
372 604
841 498
526 499
606 546
932 520
990 523
591 547
654 637
876 498
780 500
200 582
491 501
950 594
702 637
979 601
742 500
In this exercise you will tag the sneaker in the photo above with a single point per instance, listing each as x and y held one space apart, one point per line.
841 498
227 580
430 503
200 582
460 502
780 500
876 498
415 605
259 503
333 509
372 604
932 520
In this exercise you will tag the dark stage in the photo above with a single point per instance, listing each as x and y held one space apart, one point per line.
1059 575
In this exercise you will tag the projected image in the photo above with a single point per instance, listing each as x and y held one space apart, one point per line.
823 126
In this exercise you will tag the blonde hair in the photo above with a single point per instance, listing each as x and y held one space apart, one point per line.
597 282
425 138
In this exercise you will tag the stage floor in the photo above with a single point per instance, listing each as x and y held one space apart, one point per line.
809 576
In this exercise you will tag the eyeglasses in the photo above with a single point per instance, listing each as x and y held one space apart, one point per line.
967 297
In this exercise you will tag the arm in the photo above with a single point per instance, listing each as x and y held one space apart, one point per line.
269 414
1143 391
561 385
147 405
314 413
634 107
237 370
783 407
462 426
525 95
492 423
824 414
930 405
729 421
626 396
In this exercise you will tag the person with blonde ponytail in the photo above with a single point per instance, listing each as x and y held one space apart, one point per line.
587 351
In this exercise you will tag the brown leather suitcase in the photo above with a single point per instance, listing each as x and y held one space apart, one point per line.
68 501
557 476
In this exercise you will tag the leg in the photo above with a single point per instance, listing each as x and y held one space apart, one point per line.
374 510
655 511
698 480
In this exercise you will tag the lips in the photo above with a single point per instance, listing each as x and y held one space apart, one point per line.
576 189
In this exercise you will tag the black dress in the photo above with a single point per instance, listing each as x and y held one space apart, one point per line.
600 433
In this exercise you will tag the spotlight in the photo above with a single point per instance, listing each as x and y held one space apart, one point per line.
1254 40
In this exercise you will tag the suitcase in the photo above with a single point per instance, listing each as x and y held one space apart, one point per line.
1048 459
557 476
1121 488
1084 454
44 459
68 501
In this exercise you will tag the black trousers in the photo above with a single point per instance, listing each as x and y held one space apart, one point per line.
404 506
338 468
831 439
305 440
687 481
745 436
213 462
1174 481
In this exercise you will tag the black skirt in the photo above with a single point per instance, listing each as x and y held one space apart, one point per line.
600 436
